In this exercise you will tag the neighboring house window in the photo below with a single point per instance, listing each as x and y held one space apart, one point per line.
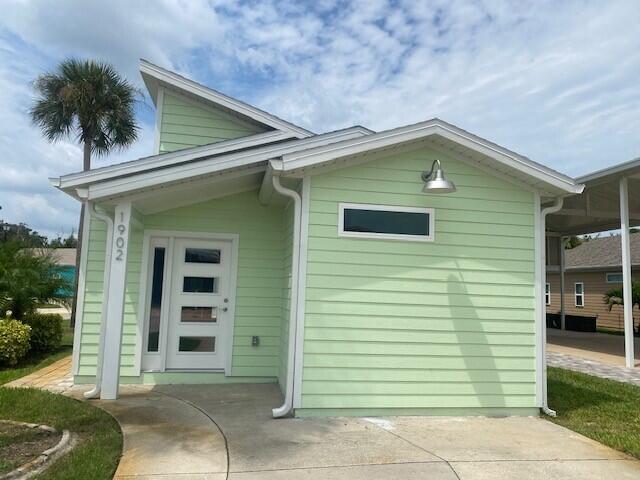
614 278
579 291
385 222
547 294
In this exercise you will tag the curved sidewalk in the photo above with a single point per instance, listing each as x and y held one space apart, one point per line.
164 437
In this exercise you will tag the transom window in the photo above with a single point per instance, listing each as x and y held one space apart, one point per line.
614 277
579 294
385 222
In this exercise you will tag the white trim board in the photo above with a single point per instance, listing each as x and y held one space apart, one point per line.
154 75
302 292
158 126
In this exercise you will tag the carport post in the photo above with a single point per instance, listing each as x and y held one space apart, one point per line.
562 316
626 273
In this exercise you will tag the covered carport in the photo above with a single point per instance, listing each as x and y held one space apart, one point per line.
610 201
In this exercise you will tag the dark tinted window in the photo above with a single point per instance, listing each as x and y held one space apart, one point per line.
199 285
201 255
156 299
197 344
379 221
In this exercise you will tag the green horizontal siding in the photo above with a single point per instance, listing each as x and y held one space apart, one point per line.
186 124
420 326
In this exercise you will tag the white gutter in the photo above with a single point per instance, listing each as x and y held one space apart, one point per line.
541 305
287 406
95 392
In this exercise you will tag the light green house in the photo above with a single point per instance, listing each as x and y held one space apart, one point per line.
248 249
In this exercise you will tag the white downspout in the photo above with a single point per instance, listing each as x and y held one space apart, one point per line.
287 406
95 392
542 307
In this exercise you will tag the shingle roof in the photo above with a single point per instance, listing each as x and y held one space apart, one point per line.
602 252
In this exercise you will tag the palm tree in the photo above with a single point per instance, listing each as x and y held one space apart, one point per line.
91 102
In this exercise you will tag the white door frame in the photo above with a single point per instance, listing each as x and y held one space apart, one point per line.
144 295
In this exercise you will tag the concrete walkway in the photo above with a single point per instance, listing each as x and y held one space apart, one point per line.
215 432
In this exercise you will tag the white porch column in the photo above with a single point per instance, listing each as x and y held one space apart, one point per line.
626 273
562 265
115 302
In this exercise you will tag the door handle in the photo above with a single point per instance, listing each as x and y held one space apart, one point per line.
224 309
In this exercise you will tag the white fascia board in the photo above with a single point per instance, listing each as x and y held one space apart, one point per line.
169 159
212 166
178 81
631 167
317 156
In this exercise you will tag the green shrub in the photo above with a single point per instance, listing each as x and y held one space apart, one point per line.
14 341
46 331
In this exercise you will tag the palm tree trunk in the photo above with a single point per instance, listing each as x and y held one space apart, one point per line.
86 163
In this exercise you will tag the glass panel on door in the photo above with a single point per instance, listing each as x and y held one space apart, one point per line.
199 314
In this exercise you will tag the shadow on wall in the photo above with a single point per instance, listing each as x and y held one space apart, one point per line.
477 356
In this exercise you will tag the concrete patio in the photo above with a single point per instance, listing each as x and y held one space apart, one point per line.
226 431
216 432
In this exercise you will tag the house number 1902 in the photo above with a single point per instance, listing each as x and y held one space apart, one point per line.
120 240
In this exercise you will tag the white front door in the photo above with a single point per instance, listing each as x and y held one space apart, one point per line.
199 306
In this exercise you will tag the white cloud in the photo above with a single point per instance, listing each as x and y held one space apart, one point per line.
556 81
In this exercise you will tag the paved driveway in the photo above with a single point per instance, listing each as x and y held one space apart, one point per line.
225 431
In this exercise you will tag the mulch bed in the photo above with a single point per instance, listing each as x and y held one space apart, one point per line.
20 444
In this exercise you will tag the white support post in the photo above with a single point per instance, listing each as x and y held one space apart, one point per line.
115 302
562 267
626 273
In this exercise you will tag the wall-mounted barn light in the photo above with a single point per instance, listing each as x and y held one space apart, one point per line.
435 181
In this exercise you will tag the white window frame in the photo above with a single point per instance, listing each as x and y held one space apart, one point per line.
386 208
613 281
577 295
547 294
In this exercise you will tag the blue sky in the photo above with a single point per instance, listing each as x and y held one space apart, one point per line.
556 81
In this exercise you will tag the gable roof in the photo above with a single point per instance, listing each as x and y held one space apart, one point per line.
155 77
602 252
482 151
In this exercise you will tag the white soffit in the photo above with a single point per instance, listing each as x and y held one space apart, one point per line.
505 161
154 76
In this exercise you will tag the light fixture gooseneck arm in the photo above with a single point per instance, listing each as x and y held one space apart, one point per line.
427 176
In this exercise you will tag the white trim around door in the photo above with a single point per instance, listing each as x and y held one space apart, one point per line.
170 242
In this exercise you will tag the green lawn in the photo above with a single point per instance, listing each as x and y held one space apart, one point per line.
604 410
96 455
33 362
